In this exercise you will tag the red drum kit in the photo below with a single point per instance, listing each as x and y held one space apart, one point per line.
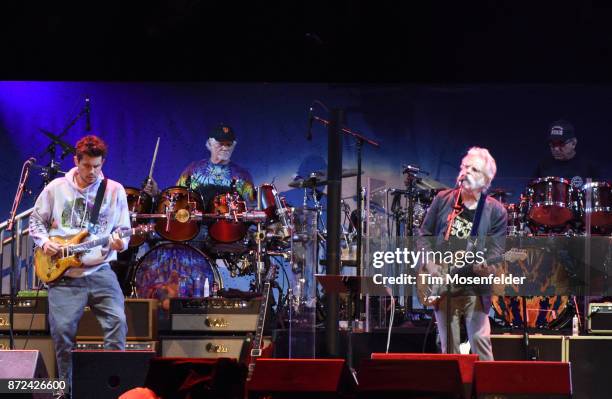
553 206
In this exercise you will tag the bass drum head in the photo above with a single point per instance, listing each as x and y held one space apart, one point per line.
159 271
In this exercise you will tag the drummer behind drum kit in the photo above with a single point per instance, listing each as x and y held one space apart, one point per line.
179 265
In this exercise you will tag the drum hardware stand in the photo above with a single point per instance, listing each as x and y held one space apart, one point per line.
411 172
587 251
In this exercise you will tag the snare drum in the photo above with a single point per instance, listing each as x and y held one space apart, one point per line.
553 201
228 231
179 203
159 271
600 207
138 202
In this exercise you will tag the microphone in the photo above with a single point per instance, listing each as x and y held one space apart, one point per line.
310 119
461 179
87 117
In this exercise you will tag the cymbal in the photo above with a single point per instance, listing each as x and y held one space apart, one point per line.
319 178
428 183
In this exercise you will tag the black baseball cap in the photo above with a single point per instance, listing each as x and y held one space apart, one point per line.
561 131
222 132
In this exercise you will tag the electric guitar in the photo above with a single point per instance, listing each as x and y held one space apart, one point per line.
256 348
50 268
430 294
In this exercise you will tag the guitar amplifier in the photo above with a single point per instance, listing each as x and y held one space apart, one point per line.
227 315
541 347
141 316
600 318
216 346
30 314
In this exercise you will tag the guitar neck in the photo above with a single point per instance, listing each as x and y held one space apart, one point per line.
104 240
261 319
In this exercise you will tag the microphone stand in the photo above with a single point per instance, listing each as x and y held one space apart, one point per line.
360 140
25 172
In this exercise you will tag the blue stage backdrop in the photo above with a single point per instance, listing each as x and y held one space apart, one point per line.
431 126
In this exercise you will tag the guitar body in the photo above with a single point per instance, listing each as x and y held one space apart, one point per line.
50 268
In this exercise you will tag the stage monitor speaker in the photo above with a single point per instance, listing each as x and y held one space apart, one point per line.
44 344
22 364
141 317
541 347
180 378
405 378
107 374
466 364
296 378
522 379
590 360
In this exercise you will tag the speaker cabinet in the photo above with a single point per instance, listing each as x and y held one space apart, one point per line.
590 359
43 344
108 374
141 316
541 347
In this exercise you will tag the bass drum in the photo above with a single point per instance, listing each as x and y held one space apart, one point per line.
138 202
547 279
159 271
544 312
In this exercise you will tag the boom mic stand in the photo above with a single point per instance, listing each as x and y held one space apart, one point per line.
25 173
360 140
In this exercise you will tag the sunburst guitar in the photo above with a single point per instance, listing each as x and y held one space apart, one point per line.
50 268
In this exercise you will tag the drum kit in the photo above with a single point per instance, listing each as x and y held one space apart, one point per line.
550 207
232 232
557 206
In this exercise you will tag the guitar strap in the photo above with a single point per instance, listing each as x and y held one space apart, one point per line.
478 215
98 203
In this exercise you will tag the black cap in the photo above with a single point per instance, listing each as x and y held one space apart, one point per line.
561 131
222 132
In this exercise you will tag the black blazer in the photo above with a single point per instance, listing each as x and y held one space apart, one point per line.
491 231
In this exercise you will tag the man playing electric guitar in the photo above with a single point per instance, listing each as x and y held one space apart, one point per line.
453 217
83 200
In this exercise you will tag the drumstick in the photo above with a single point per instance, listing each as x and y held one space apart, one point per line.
153 161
